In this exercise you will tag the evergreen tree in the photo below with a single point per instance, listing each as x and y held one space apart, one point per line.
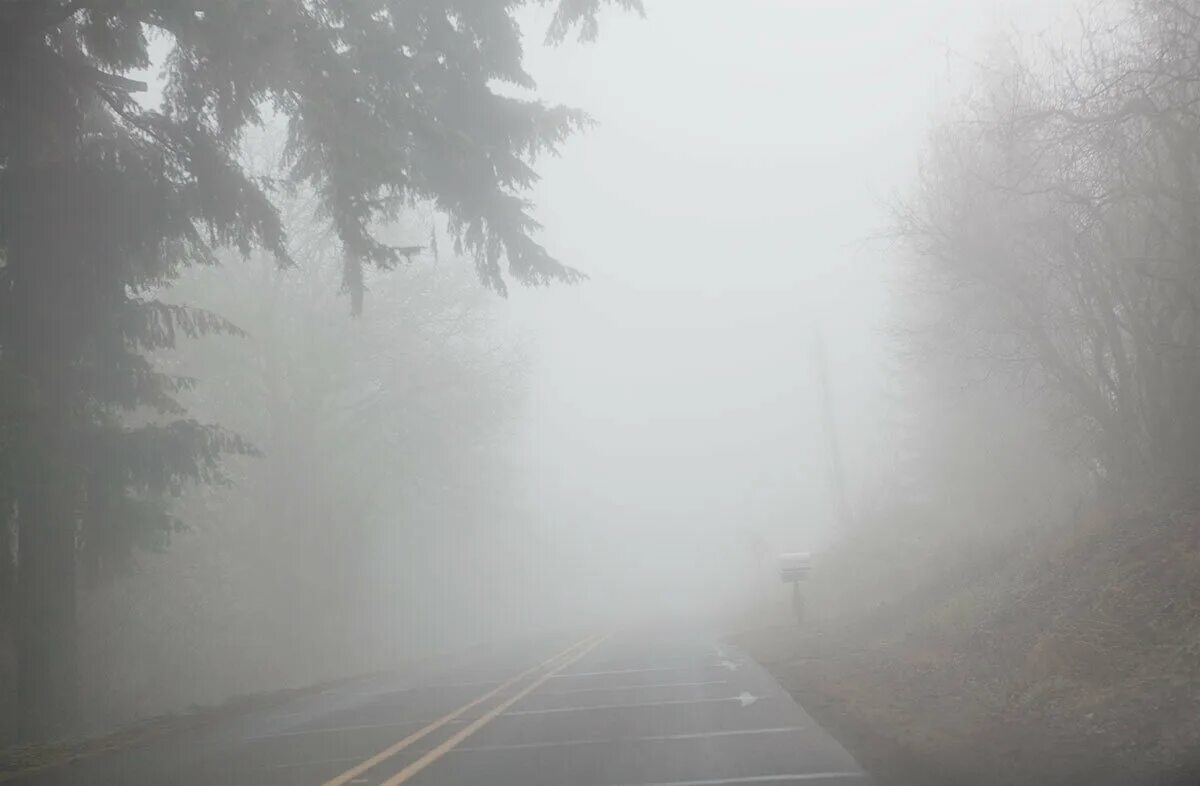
104 199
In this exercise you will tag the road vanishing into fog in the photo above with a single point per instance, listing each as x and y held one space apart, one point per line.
634 708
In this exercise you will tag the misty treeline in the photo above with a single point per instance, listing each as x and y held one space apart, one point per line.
381 470
1047 302
123 174
1058 240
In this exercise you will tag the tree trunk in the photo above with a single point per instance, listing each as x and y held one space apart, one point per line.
47 660
47 515
42 337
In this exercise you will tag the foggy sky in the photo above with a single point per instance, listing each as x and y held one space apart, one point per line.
724 209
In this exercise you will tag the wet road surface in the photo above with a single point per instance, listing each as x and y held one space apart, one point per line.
634 708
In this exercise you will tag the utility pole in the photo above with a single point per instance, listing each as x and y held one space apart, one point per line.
833 452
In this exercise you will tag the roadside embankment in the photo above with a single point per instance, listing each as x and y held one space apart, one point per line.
1068 655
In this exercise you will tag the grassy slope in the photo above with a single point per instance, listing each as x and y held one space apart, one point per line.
1066 656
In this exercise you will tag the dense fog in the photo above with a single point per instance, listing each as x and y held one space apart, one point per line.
334 347
451 466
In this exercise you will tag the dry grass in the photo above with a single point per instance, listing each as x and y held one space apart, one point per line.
1070 655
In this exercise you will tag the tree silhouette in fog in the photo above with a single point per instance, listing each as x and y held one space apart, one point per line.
104 199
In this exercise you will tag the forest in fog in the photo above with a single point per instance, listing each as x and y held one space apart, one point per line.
305 372
186 189
1047 321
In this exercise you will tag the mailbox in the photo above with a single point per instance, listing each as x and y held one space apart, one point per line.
794 567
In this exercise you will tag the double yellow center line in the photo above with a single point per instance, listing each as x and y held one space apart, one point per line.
545 670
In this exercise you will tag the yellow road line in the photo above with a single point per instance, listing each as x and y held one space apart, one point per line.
441 750
387 753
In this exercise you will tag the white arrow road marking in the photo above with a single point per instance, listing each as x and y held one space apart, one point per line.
729 664
744 699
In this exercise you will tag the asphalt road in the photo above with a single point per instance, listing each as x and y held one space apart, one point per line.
634 708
